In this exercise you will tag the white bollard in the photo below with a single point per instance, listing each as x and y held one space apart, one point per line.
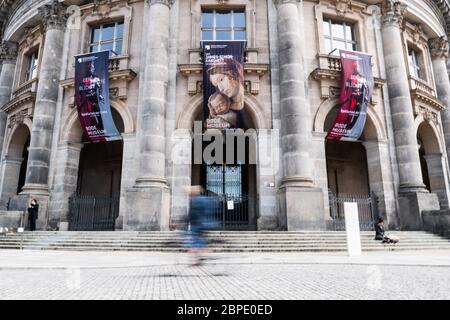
352 229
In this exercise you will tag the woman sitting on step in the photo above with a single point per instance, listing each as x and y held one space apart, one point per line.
380 235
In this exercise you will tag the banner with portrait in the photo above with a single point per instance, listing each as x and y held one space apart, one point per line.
223 84
356 91
92 97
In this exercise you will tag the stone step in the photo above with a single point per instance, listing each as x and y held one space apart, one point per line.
266 249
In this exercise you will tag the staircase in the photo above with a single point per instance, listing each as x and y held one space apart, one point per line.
220 241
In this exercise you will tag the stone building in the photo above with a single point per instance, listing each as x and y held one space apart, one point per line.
292 83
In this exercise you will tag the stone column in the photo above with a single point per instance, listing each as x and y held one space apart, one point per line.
54 18
64 184
267 165
181 155
8 56
380 179
413 197
300 202
439 48
9 179
149 199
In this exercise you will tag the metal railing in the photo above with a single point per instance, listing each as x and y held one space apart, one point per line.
367 211
93 212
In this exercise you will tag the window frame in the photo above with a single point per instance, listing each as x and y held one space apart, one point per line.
414 67
31 71
232 29
100 41
328 22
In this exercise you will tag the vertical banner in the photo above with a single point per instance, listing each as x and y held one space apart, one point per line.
356 91
223 84
92 97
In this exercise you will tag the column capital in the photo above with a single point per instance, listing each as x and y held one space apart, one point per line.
392 12
439 47
8 51
54 15
168 3
280 2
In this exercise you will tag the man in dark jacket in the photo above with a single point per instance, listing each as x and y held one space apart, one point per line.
33 210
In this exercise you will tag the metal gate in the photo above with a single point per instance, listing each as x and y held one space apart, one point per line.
367 211
93 213
230 213
232 207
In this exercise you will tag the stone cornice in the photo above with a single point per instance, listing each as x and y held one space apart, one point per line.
393 12
19 101
54 15
439 47
126 75
8 51
168 3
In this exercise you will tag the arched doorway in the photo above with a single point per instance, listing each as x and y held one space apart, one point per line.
348 177
432 162
95 205
15 164
346 164
232 181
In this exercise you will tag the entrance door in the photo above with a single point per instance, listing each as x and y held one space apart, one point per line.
227 183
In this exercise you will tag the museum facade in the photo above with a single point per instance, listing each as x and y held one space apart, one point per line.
397 169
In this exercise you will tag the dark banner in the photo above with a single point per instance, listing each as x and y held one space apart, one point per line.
223 84
356 91
92 97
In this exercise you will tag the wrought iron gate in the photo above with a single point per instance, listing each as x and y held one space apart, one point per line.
231 208
93 213
367 211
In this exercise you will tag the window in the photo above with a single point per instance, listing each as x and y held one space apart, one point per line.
107 37
32 67
414 63
339 35
223 25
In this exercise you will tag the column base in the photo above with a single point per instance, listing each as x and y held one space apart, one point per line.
301 208
267 223
411 206
147 208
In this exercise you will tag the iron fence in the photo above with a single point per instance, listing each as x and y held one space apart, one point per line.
367 211
93 212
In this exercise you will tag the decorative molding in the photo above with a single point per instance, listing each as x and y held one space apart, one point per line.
252 71
221 2
280 2
393 12
19 117
428 114
417 33
8 51
54 15
439 47
168 3
342 6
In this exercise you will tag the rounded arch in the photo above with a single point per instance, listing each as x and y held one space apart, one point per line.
17 138
74 133
373 130
194 106
429 136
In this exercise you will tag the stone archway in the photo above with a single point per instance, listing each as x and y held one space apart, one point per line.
15 163
432 161
81 164
188 173
373 150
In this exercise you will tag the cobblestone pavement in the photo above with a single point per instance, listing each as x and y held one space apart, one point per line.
225 277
